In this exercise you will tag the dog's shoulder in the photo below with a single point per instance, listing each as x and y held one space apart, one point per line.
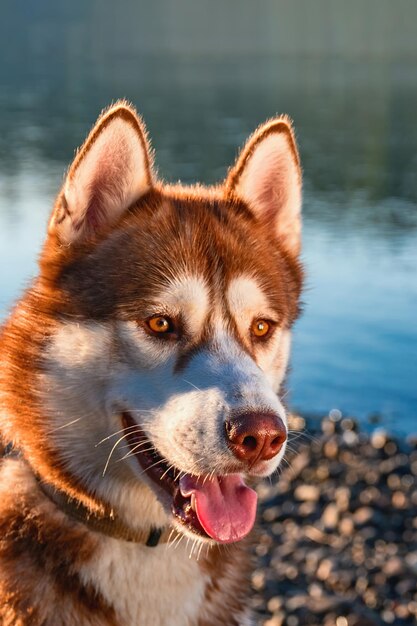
41 553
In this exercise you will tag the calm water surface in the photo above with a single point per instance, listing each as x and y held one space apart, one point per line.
355 347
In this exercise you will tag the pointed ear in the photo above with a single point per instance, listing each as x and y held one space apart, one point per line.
111 170
267 176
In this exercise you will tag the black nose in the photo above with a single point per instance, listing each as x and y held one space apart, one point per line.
255 436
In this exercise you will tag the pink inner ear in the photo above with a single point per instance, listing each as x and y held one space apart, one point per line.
107 188
270 183
270 189
111 171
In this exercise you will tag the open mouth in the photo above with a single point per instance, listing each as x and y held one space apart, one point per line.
219 507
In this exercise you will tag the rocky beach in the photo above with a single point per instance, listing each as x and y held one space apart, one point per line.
338 529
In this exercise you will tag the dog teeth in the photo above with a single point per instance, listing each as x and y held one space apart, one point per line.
193 502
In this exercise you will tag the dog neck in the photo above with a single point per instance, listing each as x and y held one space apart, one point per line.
109 523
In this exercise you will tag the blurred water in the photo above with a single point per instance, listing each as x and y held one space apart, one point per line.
355 347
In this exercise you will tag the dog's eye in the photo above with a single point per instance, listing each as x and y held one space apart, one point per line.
160 325
261 328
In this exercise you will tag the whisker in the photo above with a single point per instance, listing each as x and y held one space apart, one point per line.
285 394
111 453
132 453
122 430
170 467
169 542
192 548
54 430
192 384
199 551
178 540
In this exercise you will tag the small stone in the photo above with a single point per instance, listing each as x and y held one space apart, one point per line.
258 580
296 422
401 611
307 508
379 438
411 560
315 590
412 607
363 515
307 492
323 604
335 415
390 448
328 427
349 424
291 572
322 472
325 568
330 516
271 513
346 526
315 534
274 604
342 497
350 438
331 449
393 567
264 490
407 481
388 616
399 501
393 481
296 602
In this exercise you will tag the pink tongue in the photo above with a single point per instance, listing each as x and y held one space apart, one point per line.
225 506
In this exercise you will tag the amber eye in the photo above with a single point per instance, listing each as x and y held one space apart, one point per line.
160 324
260 328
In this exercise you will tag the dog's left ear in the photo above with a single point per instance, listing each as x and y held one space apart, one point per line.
267 176
111 170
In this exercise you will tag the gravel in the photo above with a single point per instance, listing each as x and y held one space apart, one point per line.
338 539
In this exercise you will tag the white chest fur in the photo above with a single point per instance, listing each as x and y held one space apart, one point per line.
158 586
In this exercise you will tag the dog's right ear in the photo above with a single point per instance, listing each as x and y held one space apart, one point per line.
111 170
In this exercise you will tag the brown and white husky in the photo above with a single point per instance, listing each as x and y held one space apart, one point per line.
139 386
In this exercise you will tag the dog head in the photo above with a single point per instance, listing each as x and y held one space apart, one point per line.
148 355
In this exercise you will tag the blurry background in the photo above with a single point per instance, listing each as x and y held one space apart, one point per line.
204 74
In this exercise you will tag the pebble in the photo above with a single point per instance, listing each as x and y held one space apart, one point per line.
346 526
393 567
325 569
274 604
339 531
363 515
330 516
307 492
411 560
379 438
331 449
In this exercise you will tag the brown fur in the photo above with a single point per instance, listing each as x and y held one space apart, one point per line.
40 551
227 590
209 231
